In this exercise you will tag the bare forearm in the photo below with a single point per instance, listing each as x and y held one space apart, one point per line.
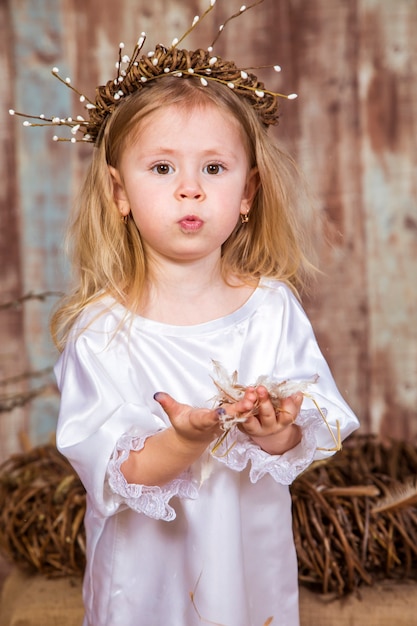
164 457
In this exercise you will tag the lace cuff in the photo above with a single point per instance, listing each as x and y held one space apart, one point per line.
238 449
151 501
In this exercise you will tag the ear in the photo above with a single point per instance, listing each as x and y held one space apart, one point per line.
119 192
252 186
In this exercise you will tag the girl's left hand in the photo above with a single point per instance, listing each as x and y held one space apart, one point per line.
274 431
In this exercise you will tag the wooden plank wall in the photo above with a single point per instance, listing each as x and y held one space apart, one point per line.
353 130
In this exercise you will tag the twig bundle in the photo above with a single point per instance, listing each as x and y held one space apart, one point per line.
42 505
355 516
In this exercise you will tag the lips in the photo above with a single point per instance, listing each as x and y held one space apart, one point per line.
190 223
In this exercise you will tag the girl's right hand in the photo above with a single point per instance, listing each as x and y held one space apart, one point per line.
192 425
170 451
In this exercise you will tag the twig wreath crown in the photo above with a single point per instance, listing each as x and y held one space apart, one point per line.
135 72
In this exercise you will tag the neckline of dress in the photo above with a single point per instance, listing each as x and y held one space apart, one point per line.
144 324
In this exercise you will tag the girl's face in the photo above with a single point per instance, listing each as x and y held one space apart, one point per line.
186 180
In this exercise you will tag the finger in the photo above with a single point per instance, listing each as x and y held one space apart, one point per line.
172 408
178 412
290 408
167 402
266 409
244 405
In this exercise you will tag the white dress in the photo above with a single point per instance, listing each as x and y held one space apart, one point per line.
215 545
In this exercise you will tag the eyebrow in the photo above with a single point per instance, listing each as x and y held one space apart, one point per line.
220 150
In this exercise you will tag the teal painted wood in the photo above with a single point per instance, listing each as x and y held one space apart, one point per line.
12 346
44 179
319 42
352 130
388 109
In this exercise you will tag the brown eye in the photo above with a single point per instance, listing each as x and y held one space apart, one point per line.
162 168
213 168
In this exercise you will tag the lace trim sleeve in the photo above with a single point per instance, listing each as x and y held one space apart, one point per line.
151 501
238 449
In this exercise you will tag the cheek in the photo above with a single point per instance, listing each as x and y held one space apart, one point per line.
151 223
230 219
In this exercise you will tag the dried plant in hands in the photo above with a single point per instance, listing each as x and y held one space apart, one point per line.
231 391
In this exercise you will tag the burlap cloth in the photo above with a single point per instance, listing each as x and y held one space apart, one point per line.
33 600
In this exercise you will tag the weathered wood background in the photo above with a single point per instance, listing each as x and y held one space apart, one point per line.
353 130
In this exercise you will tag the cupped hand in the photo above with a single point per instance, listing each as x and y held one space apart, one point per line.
272 428
263 418
191 424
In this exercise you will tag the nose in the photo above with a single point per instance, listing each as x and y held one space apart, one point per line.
189 188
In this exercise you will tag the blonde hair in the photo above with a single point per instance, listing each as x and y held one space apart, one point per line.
108 256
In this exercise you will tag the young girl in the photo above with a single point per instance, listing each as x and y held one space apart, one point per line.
189 260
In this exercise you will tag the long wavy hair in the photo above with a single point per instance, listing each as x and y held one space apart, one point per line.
107 255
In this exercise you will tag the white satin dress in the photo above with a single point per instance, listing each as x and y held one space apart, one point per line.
215 545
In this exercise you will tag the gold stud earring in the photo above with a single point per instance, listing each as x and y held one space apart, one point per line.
244 218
